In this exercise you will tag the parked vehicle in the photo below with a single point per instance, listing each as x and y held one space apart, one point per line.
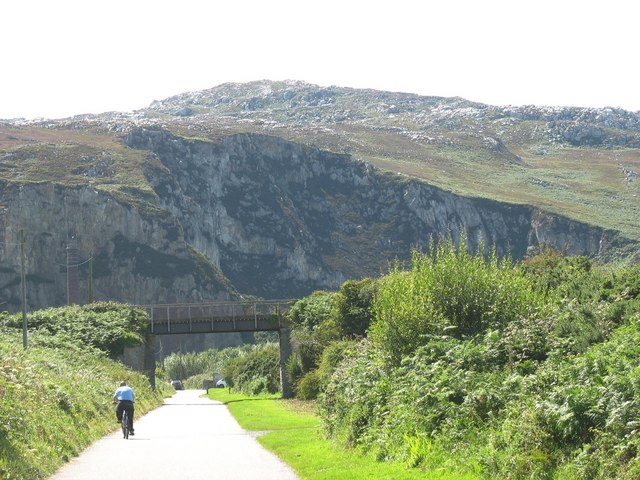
177 384
221 383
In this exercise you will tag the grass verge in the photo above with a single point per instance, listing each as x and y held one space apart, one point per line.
294 434
55 400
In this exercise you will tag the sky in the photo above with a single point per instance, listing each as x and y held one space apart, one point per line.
66 57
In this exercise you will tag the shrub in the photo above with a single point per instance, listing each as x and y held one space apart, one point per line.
195 381
313 310
356 395
352 307
255 371
107 326
332 357
309 386
180 366
449 292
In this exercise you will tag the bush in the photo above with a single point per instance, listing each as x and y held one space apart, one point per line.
537 396
195 382
255 371
107 326
332 357
311 311
352 308
449 292
180 366
356 395
309 386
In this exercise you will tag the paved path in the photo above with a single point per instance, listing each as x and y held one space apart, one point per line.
188 438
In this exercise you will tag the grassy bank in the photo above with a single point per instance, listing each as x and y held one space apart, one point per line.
295 435
56 396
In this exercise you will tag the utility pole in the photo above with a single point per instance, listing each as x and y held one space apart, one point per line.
23 290
73 276
90 286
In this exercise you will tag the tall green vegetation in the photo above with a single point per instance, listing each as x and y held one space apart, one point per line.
450 292
181 366
251 369
324 327
487 369
55 397
256 371
106 326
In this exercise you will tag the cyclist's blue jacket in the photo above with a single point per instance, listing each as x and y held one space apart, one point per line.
124 393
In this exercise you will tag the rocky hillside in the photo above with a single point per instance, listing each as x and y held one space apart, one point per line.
275 189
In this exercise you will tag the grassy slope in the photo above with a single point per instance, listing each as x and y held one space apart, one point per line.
54 401
71 157
294 434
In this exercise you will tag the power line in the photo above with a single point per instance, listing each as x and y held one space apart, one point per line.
74 264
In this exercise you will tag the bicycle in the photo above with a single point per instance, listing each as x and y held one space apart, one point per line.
125 425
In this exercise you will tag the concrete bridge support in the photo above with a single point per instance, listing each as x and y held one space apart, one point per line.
284 332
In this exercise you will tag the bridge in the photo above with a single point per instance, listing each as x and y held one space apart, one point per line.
214 317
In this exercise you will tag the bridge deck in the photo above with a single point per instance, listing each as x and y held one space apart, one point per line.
216 317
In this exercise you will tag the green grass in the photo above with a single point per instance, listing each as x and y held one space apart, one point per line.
56 395
55 399
295 435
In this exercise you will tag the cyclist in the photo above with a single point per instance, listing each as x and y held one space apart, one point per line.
124 397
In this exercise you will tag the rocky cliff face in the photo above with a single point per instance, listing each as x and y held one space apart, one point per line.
167 218
248 213
281 219
136 257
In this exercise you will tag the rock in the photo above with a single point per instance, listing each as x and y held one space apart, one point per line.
184 112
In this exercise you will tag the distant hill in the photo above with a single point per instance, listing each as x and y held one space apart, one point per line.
275 189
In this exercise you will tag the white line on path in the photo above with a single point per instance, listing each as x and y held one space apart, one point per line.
189 437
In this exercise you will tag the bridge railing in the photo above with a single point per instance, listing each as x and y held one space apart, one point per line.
166 315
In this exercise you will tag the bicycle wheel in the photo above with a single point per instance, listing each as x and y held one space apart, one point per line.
125 425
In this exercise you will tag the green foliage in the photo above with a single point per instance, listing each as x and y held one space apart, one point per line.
313 310
319 321
309 386
449 291
352 306
55 399
332 357
313 328
551 396
561 276
195 381
356 396
255 371
180 366
310 383
106 326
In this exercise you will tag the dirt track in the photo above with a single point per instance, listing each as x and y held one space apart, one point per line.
188 438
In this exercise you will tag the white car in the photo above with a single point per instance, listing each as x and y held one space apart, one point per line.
221 383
